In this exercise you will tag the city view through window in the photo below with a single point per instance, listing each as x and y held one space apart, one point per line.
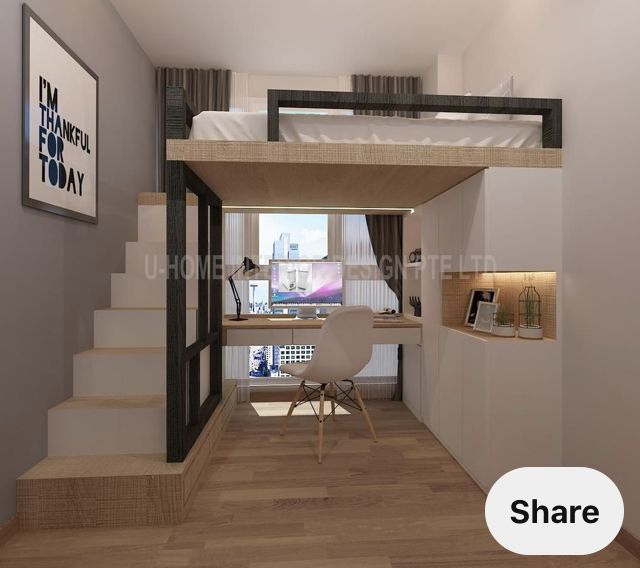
283 237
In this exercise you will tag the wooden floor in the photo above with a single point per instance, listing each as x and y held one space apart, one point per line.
266 503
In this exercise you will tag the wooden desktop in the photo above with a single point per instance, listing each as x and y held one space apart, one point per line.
275 329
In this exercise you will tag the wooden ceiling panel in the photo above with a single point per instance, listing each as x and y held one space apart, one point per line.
316 175
321 185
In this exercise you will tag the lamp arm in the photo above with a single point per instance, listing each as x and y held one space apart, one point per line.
236 296
237 269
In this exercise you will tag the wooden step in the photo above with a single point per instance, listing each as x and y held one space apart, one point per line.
117 490
150 259
119 372
136 327
139 291
83 426
152 224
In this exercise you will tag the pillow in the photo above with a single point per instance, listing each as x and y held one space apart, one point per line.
504 89
454 115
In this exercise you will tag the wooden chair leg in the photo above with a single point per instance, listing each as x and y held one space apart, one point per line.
332 393
364 412
296 398
321 423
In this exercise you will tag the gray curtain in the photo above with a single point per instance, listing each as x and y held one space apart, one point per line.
387 84
207 89
385 232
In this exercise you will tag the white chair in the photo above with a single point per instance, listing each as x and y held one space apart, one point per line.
342 351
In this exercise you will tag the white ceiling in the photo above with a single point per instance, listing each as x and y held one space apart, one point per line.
305 37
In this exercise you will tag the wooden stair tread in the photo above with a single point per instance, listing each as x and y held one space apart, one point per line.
122 351
117 465
143 309
112 402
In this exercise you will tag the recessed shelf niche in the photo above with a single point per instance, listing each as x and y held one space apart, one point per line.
457 286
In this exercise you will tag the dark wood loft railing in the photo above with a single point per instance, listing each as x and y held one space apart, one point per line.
549 109
186 417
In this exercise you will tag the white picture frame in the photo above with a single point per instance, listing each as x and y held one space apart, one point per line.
60 125
484 317
479 295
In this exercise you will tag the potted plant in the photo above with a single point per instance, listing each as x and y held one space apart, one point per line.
503 324
530 326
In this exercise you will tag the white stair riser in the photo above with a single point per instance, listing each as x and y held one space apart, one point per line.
149 259
134 291
96 431
119 374
136 328
152 224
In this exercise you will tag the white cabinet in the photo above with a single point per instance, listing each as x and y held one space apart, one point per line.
502 219
500 403
495 403
523 218
524 418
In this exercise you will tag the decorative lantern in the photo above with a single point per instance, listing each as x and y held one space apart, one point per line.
530 324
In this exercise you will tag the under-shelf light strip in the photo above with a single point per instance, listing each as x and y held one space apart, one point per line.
305 208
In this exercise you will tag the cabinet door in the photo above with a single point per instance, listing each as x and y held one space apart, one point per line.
431 295
475 443
474 248
525 395
523 217
411 382
450 382
450 229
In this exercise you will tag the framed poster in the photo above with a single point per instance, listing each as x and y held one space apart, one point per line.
60 125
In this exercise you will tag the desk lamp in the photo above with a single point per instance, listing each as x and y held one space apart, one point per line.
249 268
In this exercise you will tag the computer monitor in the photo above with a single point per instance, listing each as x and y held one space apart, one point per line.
300 283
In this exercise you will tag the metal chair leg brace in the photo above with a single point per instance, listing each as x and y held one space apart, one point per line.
343 398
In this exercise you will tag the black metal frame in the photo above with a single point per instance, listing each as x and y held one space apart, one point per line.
186 417
549 109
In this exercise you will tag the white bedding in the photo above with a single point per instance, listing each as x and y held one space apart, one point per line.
213 125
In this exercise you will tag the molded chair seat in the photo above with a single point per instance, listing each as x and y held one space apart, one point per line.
343 349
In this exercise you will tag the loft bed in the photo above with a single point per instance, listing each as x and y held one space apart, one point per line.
313 175
356 170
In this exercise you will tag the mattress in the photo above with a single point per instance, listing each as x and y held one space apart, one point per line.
247 126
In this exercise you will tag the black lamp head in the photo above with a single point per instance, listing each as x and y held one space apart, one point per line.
249 267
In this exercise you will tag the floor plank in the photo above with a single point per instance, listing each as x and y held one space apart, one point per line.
265 502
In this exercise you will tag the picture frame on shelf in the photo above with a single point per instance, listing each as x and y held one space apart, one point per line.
484 317
476 296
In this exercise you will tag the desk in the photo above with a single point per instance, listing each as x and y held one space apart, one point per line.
261 330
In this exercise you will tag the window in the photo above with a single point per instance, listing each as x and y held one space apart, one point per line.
303 236
283 236
294 236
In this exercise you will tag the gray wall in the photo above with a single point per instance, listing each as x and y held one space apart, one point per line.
55 271
586 52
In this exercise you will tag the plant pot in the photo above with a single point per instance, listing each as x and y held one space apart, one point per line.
504 330
534 332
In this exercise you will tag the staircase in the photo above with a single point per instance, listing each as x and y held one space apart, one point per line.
106 445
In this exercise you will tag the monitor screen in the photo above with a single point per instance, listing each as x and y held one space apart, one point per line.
305 283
